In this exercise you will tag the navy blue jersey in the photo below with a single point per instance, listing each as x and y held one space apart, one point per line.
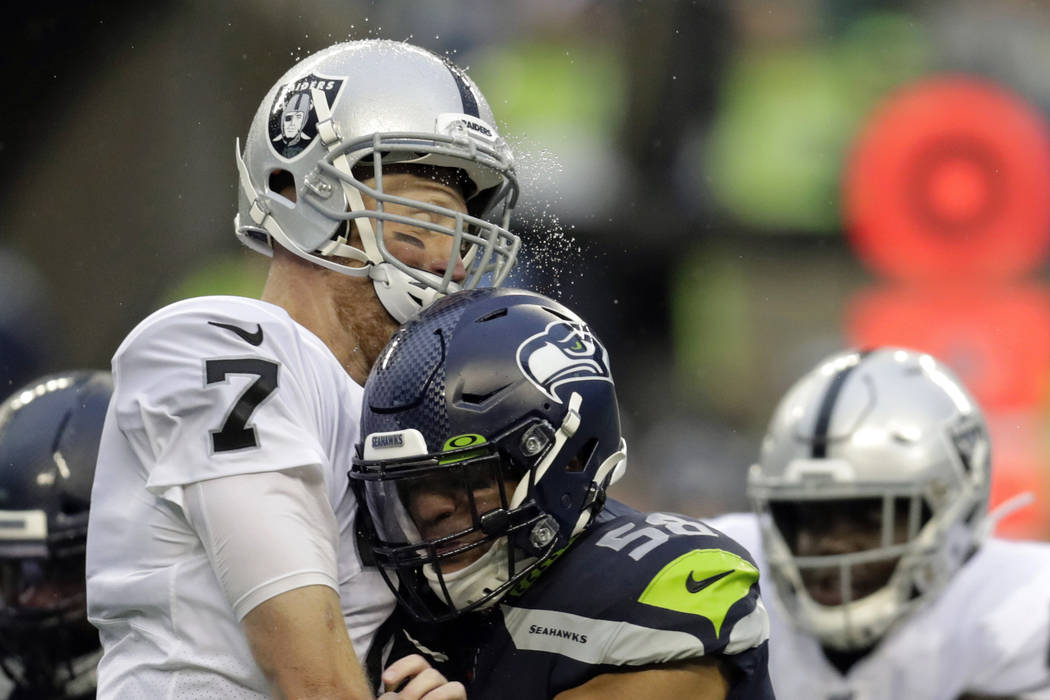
633 591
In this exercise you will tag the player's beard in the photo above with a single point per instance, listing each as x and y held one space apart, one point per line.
359 309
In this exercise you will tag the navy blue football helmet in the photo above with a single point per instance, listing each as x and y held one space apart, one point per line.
49 435
501 400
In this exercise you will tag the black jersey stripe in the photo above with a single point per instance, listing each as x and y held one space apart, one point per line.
466 95
827 408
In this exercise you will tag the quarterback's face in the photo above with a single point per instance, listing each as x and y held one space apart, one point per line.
826 528
453 501
413 245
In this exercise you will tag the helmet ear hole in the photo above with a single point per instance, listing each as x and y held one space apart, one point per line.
579 462
282 182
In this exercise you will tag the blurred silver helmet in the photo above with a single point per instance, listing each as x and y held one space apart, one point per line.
339 117
889 424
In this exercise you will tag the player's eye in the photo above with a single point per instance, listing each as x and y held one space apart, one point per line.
409 239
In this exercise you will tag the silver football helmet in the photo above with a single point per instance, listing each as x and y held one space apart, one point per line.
892 430
341 116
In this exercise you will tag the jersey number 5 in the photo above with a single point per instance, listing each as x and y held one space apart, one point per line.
653 536
235 433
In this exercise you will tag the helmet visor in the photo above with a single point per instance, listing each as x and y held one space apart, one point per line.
443 510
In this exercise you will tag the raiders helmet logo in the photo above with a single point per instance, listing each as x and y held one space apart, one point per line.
968 437
293 115
566 351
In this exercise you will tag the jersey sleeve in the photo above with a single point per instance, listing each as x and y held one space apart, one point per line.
688 578
1013 628
641 590
293 546
660 588
198 400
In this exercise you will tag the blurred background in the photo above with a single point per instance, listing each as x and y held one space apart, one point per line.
728 191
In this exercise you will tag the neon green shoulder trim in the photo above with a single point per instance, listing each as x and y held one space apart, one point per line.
704 582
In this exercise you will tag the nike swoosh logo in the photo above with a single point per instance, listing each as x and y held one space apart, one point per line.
255 338
694 586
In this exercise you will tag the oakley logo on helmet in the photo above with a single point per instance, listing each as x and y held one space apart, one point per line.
458 443
566 351
293 115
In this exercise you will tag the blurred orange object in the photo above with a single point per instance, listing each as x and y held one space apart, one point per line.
950 180
995 337
1019 465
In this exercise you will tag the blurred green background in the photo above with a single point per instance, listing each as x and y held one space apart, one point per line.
693 184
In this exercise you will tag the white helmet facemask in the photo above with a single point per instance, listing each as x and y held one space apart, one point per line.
915 556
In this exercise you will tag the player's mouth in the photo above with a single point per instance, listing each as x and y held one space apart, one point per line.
825 585
456 553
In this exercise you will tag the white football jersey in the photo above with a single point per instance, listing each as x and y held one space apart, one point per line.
987 634
205 388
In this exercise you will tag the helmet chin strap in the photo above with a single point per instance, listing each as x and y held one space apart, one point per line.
326 129
1010 505
399 294
612 468
566 430
262 219
402 296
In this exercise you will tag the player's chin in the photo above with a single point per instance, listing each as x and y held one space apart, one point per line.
824 589
824 597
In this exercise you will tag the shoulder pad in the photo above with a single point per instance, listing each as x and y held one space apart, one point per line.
659 570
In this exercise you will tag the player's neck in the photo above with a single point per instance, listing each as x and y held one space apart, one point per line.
313 297
843 661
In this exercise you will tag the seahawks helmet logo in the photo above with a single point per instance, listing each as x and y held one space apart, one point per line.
566 351
293 115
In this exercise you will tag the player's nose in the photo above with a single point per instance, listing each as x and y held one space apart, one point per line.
437 513
442 254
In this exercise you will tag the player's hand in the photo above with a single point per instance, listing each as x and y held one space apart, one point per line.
417 680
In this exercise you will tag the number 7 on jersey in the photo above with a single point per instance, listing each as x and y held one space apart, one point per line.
235 433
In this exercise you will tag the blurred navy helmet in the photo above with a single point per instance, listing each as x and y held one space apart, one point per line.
49 435
497 389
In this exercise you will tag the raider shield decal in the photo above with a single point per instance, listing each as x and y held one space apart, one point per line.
293 116
566 351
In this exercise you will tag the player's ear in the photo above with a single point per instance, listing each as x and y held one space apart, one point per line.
283 183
